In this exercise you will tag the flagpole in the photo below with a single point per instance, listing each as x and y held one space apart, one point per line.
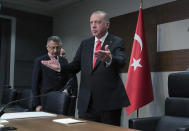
141 3
137 113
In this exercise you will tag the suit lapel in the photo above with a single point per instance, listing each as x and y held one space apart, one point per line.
90 57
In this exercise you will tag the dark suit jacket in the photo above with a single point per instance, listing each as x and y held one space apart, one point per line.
45 79
102 83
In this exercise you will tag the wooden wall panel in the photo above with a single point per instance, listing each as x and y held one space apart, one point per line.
125 25
172 60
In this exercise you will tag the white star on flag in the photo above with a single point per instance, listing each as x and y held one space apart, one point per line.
136 63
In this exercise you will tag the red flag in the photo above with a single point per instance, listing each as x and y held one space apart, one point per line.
139 83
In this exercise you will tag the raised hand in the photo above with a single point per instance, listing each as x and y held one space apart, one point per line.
53 64
104 55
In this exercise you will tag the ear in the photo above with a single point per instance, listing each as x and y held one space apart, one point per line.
47 48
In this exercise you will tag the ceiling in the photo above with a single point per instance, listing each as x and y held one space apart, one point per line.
46 7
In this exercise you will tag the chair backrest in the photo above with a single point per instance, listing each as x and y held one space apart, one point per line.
8 95
178 84
176 114
22 93
170 123
177 106
57 102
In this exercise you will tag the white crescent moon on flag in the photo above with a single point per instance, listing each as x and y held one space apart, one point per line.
139 41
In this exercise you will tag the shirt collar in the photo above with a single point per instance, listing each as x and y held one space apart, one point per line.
102 39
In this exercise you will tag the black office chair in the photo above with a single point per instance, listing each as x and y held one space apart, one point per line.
23 105
176 116
57 102
178 84
63 103
8 95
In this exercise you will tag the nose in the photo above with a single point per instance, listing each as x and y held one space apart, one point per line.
55 49
93 25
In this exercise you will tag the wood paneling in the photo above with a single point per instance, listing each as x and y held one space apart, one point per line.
172 60
125 25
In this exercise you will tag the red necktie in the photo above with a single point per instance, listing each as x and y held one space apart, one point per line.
98 47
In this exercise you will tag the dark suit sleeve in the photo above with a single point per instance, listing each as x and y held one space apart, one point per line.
63 61
36 78
72 85
118 54
75 66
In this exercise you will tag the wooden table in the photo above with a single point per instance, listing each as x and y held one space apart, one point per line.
46 124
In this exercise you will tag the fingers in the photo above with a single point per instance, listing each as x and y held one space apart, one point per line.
53 64
107 48
106 58
100 54
103 55
49 62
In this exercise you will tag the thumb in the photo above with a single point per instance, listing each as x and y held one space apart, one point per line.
43 62
107 48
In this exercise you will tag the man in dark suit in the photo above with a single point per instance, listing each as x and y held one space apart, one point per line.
45 79
100 59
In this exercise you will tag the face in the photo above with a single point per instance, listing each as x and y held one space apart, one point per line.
53 48
99 26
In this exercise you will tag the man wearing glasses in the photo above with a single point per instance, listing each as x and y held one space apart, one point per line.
45 79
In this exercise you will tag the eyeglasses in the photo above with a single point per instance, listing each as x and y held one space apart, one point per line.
54 47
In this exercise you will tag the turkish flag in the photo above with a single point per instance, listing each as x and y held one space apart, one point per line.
139 84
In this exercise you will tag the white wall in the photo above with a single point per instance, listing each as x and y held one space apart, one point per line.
72 25
167 32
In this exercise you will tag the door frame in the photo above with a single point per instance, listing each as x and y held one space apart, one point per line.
12 50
